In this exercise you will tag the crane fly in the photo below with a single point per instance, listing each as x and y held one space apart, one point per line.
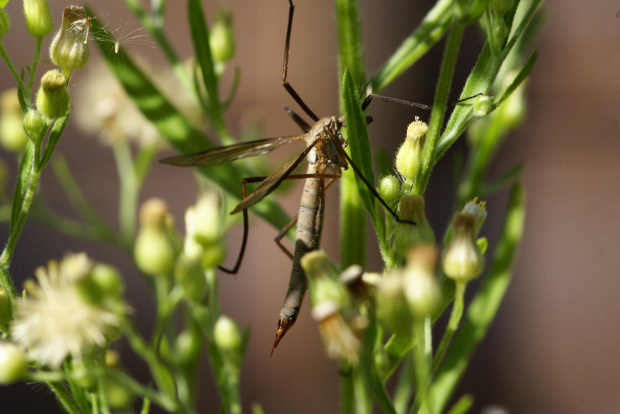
326 158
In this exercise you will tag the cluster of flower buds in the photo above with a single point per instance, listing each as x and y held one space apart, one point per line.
12 135
411 293
159 251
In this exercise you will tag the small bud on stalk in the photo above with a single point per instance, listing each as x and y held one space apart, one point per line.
155 250
13 363
69 48
409 155
53 98
38 18
462 260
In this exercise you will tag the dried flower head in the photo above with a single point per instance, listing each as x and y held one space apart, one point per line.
54 321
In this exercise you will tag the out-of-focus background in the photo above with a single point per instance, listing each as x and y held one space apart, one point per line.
555 346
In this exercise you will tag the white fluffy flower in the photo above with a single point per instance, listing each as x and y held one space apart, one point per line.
54 321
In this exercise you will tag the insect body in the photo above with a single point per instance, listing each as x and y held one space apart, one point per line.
326 157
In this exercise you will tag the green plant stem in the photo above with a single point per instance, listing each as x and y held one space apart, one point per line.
35 64
135 387
453 324
18 79
128 201
163 378
352 213
422 371
16 229
347 392
440 106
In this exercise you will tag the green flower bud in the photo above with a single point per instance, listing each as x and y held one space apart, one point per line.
482 106
35 125
478 210
6 310
226 334
5 23
323 279
512 111
12 135
69 48
101 284
411 208
213 255
389 189
392 305
13 363
501 6
222 37
119 398
421 287
155 249
408 157
38 18
53 98
188 347
204 230
462 260
189 274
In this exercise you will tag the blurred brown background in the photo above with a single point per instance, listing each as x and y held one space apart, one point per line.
555 346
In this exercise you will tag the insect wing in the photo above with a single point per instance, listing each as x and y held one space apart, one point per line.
272 182
219 155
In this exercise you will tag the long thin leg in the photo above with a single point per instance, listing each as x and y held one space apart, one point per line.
288 227
372 96
298 120
285 83
244 241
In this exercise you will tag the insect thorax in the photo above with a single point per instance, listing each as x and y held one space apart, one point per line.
326 133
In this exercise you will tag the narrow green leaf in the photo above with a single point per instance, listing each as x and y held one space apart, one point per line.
202 50
52 140
485 304
500 183
434 25
479 81
463 405
23 176
518 80
359 144
350 56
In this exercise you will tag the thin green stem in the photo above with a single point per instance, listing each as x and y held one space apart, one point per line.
453 325
440 105
128 201
135 387
347 393
16 229
9 63
422 371
103 398
35 64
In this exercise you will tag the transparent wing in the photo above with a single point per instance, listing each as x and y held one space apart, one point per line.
219 155
272 182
